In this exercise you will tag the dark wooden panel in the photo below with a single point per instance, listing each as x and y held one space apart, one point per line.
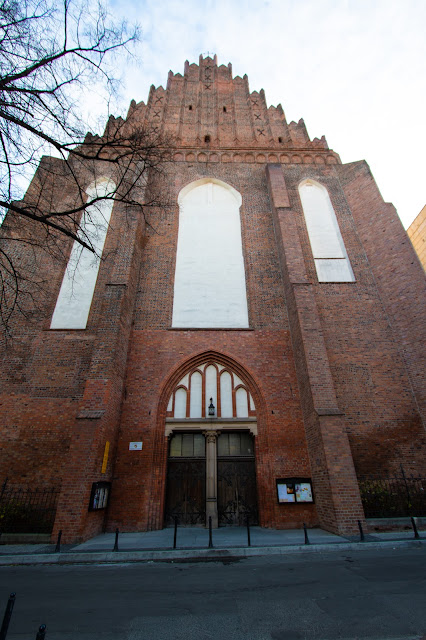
186 492
236 491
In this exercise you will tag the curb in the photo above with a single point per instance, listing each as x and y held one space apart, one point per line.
195 555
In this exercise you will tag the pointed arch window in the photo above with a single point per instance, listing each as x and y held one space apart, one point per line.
210 380
210 286
78 284
328 249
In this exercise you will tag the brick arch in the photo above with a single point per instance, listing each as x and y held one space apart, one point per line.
196 183
102 186
188 365
316 181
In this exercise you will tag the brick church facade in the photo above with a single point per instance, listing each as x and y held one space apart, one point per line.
252 351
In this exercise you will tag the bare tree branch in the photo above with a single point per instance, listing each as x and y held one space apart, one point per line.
51 53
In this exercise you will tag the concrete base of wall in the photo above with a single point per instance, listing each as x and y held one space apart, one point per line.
25 538
393 524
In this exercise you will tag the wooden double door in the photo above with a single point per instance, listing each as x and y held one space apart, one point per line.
236 480
236 491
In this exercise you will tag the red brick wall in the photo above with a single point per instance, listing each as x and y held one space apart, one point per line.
266 357
399 278
335 369
365 348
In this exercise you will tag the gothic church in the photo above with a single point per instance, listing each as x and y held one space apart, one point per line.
252 353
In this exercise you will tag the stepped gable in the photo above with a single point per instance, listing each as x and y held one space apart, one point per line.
207 107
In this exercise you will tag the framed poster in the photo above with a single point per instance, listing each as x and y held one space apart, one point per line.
294 490
286 492
99 496
303 492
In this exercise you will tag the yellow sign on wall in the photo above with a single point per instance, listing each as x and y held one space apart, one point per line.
105 460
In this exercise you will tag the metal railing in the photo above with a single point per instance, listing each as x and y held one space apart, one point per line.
395 496
27 510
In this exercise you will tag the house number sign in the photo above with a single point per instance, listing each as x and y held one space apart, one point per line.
135 446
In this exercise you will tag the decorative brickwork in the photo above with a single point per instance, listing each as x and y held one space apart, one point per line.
335 370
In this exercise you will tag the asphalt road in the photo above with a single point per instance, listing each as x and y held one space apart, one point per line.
374 595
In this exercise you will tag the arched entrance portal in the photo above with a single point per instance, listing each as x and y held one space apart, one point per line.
211 424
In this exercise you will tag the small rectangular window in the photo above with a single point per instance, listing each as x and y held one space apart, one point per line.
223 444
176 446
235 445
187 445
199 445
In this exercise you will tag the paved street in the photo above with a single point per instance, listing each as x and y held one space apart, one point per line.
366 594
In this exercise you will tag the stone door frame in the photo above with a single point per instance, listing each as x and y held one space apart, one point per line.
211 429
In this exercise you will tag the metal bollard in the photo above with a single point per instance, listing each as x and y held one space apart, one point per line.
248 532
41 633
306 534
361 532
416 533
7 616
210 533
116 540
175 534
58 542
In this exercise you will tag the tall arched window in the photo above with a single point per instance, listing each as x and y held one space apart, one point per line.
210 286
331 260
78 285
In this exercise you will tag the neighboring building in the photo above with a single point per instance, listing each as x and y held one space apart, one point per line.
265 333
417 234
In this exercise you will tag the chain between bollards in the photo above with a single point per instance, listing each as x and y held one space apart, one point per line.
248 532
361 532
116 540
58 542
7 616
41 633
416 533
210 533
305 531
175 534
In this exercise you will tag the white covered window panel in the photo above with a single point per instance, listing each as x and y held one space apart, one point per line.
242 403
328 249
252 408
180 403
196 395
78 285
210 287
226 395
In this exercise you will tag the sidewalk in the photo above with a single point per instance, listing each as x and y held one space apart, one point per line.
192 544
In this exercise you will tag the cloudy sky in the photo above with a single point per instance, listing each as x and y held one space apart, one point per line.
355 70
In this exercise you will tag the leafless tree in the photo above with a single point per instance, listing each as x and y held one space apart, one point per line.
54 55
